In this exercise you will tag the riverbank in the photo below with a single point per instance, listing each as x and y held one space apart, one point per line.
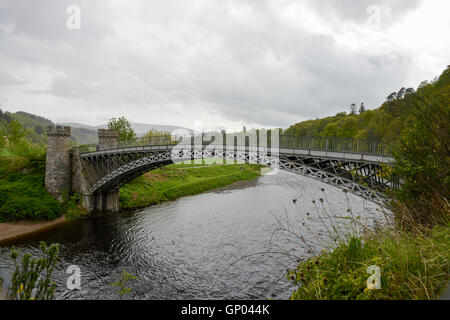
10 231
176 181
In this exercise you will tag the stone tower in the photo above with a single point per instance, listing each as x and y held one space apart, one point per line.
107 139
57 170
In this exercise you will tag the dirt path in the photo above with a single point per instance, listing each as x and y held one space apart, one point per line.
11 230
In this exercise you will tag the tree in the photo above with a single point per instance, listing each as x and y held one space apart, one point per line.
155 137
362 108
353 108
38 129
392 96
401 93
14 134
422 155
123 127
409 91
2 140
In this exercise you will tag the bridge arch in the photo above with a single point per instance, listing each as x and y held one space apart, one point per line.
352 174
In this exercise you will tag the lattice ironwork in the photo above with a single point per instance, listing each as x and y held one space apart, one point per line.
110 169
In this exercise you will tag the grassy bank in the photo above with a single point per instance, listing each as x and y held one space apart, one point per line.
175 181
22 191
413 266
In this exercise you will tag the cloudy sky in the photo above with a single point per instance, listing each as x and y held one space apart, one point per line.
216 64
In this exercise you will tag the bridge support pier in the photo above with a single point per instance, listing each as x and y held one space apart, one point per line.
100 202
105 202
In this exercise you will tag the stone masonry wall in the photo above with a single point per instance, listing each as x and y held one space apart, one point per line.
107 139
57 171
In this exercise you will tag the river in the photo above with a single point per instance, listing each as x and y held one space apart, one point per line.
210 246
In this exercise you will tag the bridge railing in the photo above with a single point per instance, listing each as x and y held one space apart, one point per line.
335 144
88 148
285 141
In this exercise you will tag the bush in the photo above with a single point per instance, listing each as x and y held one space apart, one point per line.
23 194
32 279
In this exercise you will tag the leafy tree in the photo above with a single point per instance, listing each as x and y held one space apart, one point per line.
362 108
422 155
123 127
14 134
155 137
401 93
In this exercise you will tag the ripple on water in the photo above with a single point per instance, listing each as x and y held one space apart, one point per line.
198 247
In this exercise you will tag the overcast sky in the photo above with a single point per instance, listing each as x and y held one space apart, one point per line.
218 64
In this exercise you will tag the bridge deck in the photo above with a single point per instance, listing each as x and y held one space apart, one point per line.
336 155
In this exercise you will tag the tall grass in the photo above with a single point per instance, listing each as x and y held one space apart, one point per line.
414 265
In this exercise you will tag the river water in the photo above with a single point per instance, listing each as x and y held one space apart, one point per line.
218 245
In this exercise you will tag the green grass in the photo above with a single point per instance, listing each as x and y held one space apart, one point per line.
4 152
22 191
413 266
179 180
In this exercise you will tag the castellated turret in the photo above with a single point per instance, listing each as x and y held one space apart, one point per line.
57 171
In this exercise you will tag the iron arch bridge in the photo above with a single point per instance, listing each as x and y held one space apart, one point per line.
358 170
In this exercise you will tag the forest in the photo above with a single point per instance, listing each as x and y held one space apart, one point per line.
386 123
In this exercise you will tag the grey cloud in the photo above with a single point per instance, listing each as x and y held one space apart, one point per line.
240 59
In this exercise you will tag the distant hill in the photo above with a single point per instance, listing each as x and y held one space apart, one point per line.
139 128
80 133
37 127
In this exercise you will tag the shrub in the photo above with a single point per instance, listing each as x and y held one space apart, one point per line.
23 194
31 279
